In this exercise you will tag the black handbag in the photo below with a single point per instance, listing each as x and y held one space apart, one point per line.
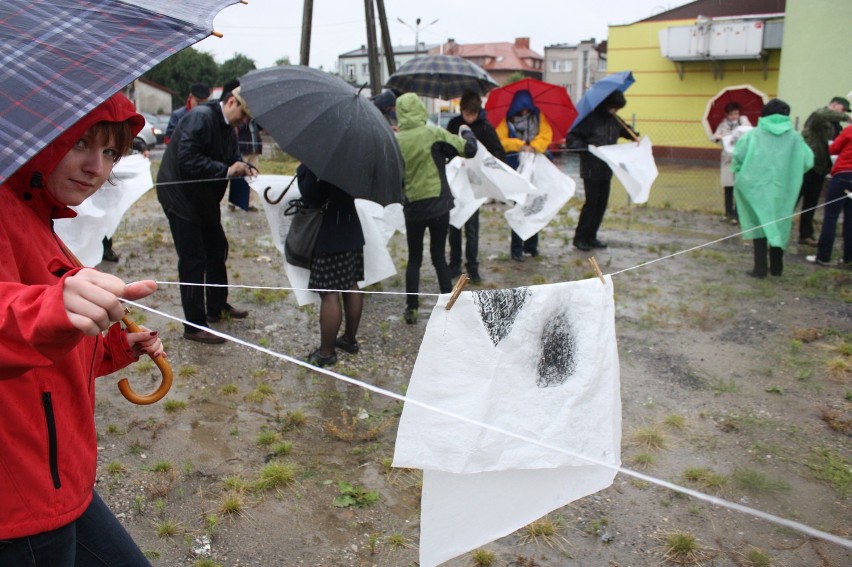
302 236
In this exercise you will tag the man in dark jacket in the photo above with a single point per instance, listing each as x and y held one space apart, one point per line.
600 128
473 116
822 126
190 184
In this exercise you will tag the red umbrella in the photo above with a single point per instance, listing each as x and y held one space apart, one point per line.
750 99
552 100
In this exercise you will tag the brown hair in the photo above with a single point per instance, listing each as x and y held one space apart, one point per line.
120 134
470 102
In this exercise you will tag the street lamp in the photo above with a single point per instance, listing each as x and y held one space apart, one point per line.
416 29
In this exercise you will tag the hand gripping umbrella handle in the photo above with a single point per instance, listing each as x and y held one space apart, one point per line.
161 363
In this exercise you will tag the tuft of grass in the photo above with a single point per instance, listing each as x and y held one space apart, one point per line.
233 503
397 540
114 429
643 460
235 483
281 449
166 529
835 419
681 547
229 389
705 478
206 562
826 465
267 437
294 419
758 558
649 438
261 392
187 370
116 468
174 405
838 368
755 481
275 475
162 466
544 531
483 558
675 421
350 428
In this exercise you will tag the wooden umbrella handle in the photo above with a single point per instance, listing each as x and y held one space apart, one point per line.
162 364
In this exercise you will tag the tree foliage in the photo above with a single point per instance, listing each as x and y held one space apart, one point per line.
234 68
283 61
514 78
181 70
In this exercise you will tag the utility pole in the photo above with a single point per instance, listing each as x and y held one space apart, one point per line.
372 49
307 16
390 60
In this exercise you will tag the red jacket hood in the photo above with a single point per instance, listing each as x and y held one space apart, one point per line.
116 108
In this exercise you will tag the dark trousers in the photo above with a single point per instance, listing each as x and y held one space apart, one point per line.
202 251
518 246
730 205
592 213
840 183
809 196
95 539
415 231
471 244
776 258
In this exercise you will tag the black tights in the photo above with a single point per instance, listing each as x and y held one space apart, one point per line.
331 316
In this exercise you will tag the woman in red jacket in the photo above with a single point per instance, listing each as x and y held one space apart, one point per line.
53 315
840 185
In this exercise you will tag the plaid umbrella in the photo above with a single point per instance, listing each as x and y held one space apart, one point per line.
440 76
59 59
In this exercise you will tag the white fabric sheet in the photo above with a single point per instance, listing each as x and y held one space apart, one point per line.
633 164
540 362
553 190
489 178
377 223
99 215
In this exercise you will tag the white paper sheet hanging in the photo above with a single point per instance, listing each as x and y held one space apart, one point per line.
553 190
99 215
540 362
377 223
633 164
490 178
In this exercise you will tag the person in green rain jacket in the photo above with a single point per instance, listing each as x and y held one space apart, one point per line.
769 162
426 149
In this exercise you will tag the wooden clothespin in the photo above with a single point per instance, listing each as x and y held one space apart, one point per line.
457 290
597 269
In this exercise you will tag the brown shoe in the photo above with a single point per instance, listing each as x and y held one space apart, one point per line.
228 312
205 337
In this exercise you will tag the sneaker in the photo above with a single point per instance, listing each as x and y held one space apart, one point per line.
317 358
475 279
809 241
343 344
735 222
814 260
410 315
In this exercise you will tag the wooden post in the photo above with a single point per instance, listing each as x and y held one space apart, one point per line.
387 46
372 49
307 16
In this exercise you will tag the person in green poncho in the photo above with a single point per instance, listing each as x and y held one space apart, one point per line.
769 162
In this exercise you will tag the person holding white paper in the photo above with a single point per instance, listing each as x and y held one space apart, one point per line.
727 127
600 128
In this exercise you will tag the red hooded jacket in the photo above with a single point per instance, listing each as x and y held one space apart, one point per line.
842 148
48 449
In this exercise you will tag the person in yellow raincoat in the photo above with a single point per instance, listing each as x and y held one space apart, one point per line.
524 129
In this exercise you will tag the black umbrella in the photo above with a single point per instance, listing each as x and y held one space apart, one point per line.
441 76
325 123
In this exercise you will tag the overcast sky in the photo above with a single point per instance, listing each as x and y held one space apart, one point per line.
267 30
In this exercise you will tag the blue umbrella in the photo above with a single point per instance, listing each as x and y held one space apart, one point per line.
599 91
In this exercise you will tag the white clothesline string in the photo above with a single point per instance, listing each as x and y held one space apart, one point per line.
798 526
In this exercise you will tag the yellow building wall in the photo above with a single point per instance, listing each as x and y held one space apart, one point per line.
668 108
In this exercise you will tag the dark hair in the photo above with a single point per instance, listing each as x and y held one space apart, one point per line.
615 100
732 106
120 134
776 106
470 102
227 88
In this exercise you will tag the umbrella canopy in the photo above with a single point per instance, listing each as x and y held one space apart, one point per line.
750 99
550 99
596 94
59 59
441 76
325 123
